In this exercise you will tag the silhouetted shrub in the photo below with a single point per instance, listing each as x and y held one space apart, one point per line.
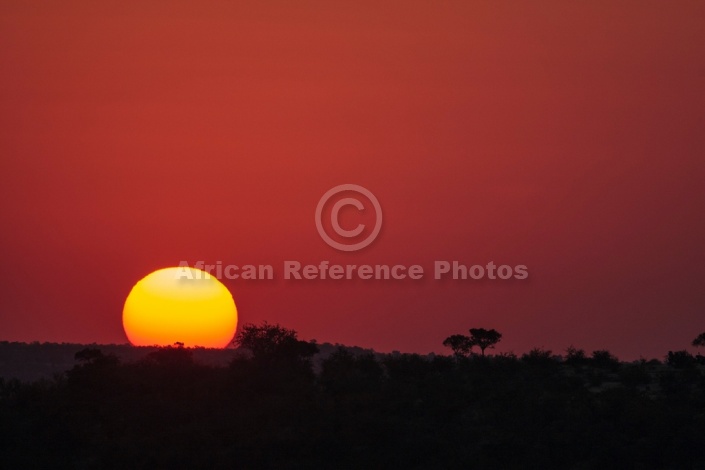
575 357
273 342
680 359
538 356
603 359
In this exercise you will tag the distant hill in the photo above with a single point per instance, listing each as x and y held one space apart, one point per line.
33 361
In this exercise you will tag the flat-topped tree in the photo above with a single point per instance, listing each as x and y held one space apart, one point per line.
484 339
700 340
460 344
268 342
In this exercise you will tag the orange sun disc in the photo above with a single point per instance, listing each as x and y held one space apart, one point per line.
180 304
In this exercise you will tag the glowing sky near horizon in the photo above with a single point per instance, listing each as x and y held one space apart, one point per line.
565 137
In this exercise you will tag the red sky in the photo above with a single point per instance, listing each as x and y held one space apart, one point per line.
567 137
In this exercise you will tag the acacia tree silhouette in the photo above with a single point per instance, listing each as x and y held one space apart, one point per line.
460 344
699 340
484 339
268 342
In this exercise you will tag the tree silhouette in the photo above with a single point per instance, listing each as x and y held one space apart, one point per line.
95 372
680 359
700 340
174 356
575 357
538 356
273 341
604 359
89 355
484 339
460 344
356 410
95 357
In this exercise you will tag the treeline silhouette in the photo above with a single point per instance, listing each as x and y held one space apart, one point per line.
269 408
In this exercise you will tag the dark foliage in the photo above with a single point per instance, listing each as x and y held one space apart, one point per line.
604 360
699 340
274 343
484 339
575 357
538 356
680 359
462 345
271 410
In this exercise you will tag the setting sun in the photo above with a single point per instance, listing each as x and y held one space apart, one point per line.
183 305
